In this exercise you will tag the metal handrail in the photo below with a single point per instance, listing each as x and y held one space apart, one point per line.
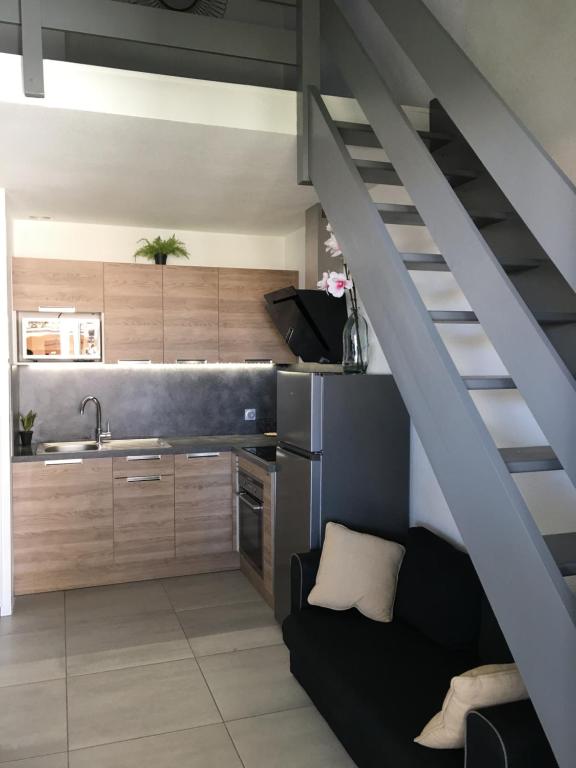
543 196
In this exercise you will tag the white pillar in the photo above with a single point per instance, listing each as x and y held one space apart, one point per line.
5 419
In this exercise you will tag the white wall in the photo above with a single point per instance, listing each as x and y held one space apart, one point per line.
525 48
99 242
5 426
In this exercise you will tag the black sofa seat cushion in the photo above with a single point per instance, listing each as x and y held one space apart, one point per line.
438 591
376 684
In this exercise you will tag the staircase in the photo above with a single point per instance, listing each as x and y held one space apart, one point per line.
510 244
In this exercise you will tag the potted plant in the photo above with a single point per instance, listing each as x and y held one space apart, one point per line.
27 421
159 249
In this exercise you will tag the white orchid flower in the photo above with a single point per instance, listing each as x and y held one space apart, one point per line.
323 284
338 283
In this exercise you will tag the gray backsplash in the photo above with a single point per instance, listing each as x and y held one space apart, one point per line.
147 401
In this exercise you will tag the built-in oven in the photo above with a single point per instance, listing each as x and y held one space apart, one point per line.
250 516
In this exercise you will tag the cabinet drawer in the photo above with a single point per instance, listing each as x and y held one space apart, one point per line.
141 464
203 504
143 518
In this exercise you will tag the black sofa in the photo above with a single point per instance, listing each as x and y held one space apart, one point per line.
377 685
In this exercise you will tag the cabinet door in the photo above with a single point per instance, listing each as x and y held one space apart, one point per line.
133 323
63 521
143 518
203 504
190 314
246 330
57 283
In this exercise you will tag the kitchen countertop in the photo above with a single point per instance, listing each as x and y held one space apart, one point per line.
191 444
267 466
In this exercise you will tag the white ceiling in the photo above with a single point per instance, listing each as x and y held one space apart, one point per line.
110 169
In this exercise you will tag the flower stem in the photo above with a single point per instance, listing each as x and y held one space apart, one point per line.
354 302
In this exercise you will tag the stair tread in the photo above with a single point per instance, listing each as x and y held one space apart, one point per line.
466 316
533 458
396 213
362 134
434 262
489 382
382 172
563 549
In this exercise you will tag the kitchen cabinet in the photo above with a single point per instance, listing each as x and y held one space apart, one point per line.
203 503
143 518
246 331
62 522
133 313
190 314
57 283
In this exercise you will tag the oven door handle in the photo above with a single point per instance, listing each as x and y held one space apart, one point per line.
245 499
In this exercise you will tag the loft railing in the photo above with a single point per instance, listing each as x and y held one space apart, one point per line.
105 18
535 608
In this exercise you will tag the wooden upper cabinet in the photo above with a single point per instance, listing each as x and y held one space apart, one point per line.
246 330
57 283
133 316
190 314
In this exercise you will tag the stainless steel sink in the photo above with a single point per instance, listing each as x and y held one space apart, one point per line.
68 447
136 444
139 444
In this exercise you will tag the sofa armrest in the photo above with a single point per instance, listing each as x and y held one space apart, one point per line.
303 570
507 736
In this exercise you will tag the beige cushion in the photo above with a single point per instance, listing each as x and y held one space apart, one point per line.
480 687
357 571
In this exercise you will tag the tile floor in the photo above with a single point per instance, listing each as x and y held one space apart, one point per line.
185 672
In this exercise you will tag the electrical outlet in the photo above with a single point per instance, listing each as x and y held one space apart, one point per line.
250 414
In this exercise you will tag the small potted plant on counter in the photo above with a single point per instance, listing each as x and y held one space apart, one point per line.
159 249
27 421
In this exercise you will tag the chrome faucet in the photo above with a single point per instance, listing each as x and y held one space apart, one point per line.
100 436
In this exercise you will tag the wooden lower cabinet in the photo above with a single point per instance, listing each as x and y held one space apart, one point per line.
98 521
203 504
62 522
143 518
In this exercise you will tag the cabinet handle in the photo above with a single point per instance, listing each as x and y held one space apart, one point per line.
155 457
258 360
60 310
245 499
54 462
191 361
212 455
134 362
145 479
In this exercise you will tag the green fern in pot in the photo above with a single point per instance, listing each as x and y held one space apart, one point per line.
158 250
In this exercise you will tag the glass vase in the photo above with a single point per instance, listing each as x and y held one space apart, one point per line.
355 344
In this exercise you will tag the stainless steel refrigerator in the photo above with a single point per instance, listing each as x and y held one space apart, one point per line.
343 456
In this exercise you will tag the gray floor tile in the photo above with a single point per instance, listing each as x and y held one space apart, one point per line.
140 701
225 628
207 747
33 613
299 738
48 761
252 682
30 657
208 589
32 720
116 600
125 641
